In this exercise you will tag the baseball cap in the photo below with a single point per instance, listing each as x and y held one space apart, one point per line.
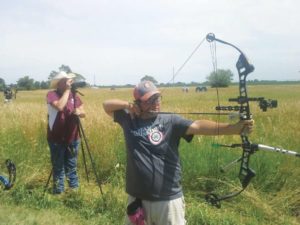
144 90
60 75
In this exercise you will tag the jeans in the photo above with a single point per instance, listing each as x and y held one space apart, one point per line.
64 163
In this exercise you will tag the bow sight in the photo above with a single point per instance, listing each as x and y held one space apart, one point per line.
263 103
269 103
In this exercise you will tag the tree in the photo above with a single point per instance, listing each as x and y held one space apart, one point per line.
36 84
221 78
65 68
2 84
150 78
45 84
52 74
79 77
26 83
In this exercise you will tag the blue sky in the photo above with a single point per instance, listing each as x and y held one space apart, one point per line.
120 41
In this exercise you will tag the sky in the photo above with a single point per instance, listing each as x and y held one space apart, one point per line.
116 42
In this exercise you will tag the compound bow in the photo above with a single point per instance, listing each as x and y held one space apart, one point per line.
246 173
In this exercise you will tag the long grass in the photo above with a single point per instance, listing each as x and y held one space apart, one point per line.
271 198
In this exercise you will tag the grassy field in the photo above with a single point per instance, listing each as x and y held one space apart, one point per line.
271 198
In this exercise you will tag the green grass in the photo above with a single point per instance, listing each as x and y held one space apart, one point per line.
271 198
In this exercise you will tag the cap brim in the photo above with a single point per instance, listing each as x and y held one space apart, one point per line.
71 75
148 95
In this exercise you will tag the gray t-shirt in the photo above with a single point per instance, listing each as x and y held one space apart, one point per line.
153 166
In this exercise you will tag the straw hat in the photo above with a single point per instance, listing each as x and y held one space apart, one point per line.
59 76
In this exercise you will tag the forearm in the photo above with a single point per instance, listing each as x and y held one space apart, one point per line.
61 103
112 105
80 111
207 127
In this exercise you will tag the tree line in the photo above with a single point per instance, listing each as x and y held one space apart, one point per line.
27 83
219 78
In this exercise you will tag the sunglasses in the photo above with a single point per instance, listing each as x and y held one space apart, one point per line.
155 99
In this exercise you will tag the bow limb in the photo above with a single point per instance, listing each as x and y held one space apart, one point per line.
246 173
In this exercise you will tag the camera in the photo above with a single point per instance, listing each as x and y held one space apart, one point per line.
78 84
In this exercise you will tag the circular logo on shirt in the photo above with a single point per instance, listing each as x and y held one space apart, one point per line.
155 137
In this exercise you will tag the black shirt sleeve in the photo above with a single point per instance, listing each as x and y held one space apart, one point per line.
180 127
120 116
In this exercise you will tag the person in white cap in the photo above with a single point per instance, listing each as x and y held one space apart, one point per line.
153 170
62 132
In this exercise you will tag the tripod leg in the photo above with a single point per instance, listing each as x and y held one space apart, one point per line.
91 158
84 160
48 181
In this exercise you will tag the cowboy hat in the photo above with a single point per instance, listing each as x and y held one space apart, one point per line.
60 75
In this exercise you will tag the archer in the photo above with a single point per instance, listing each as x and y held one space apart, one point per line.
153 171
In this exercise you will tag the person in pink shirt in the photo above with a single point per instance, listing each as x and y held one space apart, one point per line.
64 110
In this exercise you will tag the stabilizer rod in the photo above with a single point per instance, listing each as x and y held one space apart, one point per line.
276 149
254 147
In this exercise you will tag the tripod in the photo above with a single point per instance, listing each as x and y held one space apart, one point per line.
83 137
84 143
